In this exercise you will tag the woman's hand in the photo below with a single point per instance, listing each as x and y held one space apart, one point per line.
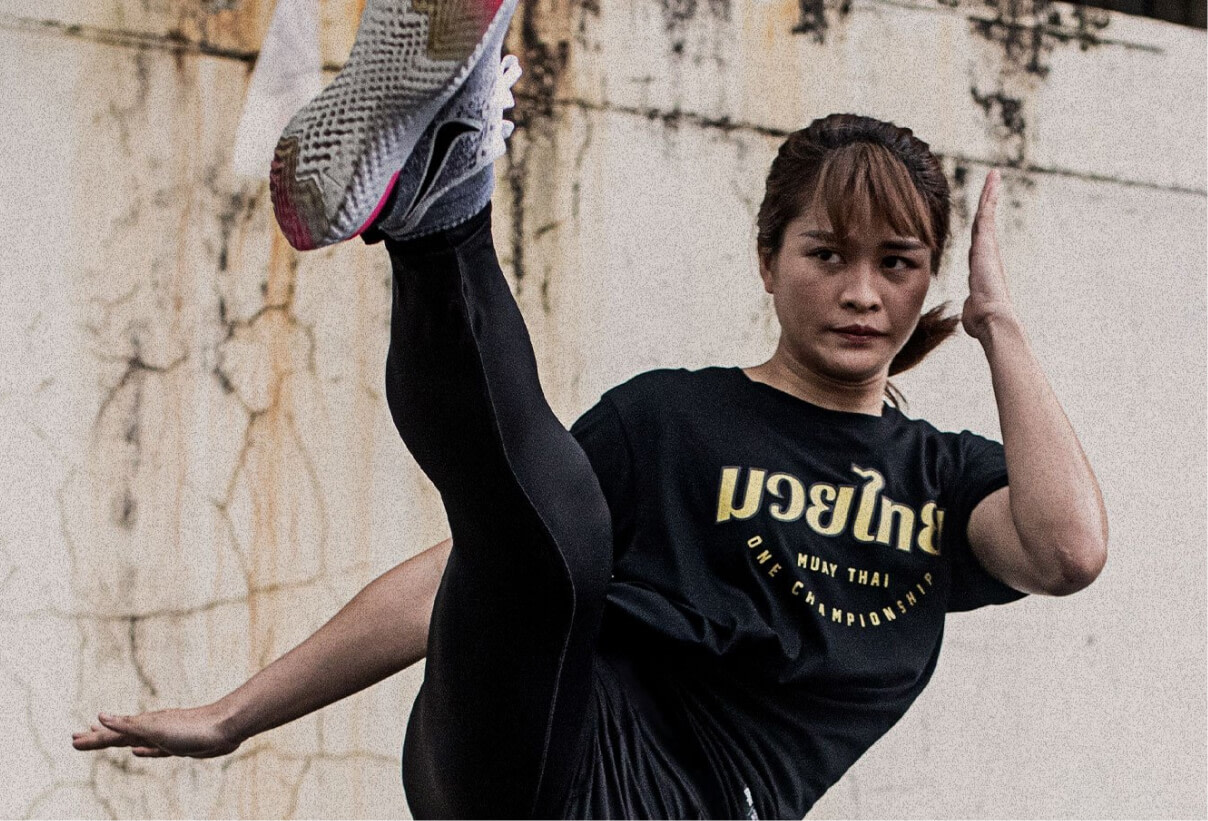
1047 533
197 732
988 296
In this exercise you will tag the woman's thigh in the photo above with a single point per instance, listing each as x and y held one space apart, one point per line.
499 720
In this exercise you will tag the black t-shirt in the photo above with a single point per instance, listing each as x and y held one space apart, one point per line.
781 577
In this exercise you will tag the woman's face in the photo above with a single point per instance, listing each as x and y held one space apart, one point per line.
846 307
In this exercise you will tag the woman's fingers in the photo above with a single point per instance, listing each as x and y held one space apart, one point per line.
989 196
983 250
114 731
987 204
988 292
122 725
149 752
98 737
195 732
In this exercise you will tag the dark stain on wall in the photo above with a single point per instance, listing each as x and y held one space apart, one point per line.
129 507
959 184
236 210
677 13
120 413
175 40
1029 30
517 175
1020 35
1088 22
545 60
1007 121
811 18
132 636
125 114
1005 111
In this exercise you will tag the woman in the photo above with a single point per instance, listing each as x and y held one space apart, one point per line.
715 592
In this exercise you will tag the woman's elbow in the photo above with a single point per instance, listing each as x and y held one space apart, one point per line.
1081 560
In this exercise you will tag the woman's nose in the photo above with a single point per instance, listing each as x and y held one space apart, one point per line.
859 290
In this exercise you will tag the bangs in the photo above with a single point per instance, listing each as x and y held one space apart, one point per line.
863 183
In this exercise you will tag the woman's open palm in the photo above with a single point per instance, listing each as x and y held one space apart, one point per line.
194 732
988 295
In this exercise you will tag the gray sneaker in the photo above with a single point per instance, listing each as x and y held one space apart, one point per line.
450 176
338 159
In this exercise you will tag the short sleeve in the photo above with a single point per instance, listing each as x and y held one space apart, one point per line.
602 436
981 469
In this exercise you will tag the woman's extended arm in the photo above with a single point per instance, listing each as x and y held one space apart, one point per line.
383 630
1047 532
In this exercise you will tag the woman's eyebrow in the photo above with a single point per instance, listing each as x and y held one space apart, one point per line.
900 244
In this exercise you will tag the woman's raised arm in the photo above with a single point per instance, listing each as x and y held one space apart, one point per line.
1047 532
383 630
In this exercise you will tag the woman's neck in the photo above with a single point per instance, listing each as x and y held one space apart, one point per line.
785 374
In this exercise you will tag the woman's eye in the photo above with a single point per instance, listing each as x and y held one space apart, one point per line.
899 263
825 255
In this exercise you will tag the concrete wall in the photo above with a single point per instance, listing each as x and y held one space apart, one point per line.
199 468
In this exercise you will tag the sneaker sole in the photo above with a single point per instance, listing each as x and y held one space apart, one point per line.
341 154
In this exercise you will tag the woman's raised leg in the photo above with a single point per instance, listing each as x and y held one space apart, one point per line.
506 693
403 140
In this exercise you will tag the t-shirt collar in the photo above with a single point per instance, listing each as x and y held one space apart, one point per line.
802 406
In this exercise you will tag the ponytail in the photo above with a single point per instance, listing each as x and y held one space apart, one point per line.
933 328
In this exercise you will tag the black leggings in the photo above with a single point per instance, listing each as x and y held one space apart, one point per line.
503 709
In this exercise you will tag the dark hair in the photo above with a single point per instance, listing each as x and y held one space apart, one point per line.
854 167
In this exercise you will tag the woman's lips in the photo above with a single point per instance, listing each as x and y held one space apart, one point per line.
858 333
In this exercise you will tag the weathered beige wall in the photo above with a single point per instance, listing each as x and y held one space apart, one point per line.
199 467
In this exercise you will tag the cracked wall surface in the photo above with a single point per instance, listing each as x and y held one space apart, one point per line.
201 468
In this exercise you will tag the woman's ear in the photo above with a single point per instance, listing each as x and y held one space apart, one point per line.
767 269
